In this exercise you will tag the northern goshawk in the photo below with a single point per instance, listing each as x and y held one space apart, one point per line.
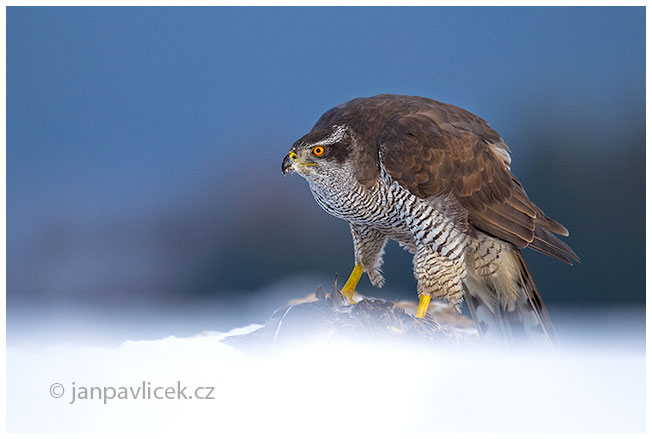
436 179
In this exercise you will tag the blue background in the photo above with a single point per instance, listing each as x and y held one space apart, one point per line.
144 144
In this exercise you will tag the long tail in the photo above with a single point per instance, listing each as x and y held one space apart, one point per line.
522 320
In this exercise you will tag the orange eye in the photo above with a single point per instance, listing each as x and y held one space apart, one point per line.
318 150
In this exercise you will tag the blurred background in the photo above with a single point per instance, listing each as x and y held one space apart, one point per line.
144 148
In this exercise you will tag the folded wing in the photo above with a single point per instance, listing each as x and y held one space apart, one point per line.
437 149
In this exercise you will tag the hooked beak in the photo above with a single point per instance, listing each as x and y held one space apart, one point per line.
288 162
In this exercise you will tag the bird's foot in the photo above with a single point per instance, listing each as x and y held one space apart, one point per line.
422 309
349 287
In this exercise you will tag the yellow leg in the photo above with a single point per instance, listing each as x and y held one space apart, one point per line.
349 286
424 301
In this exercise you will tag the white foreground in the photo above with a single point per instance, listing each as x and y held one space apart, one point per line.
325 390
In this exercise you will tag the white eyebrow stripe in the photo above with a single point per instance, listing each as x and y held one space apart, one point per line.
336 136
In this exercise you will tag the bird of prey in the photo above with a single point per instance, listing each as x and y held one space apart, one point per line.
436 179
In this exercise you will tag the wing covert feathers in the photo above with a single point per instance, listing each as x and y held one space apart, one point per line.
431 148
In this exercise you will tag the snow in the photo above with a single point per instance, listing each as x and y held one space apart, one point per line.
342 389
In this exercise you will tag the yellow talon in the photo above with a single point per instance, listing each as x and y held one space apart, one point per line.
352 282
424 301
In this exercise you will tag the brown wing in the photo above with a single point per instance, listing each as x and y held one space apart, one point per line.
437 149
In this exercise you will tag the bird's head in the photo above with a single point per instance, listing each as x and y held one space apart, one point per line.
320 154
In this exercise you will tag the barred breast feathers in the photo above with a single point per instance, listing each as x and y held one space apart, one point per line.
388 207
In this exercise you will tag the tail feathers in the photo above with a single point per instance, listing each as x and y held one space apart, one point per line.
524 321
